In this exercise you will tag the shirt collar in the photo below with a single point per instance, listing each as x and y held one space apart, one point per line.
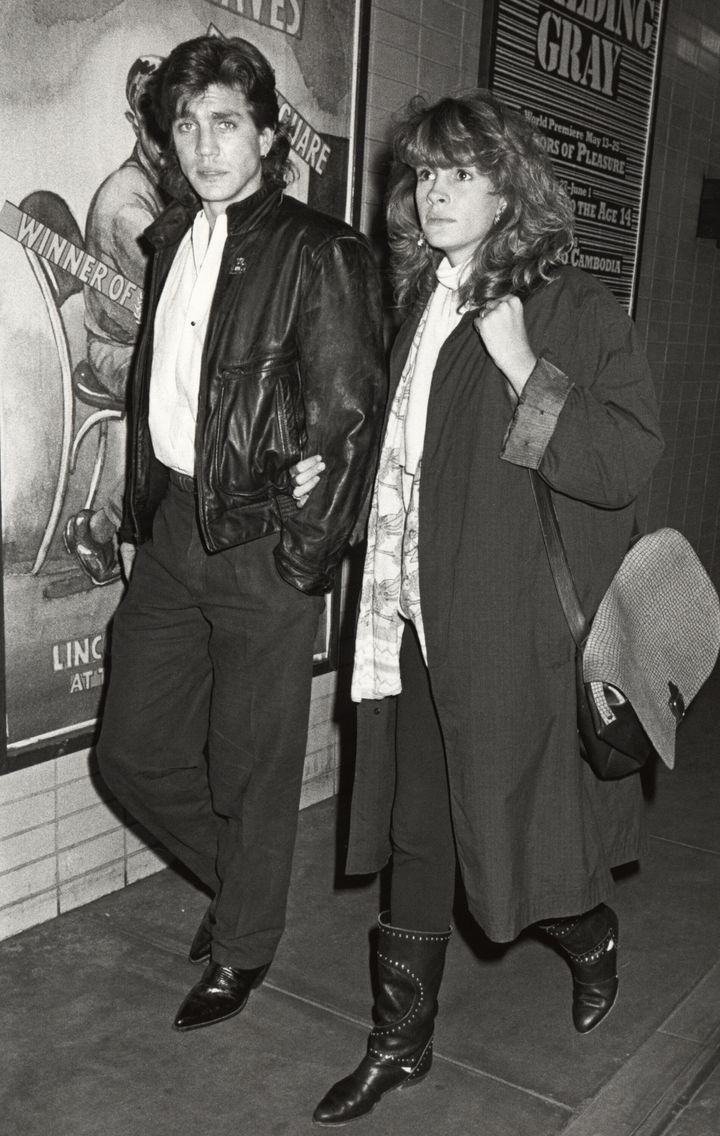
203 235
242 216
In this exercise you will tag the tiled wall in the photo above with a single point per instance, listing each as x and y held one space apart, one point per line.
678 310
427 46
64 842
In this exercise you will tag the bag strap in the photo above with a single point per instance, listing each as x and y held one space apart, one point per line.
562 576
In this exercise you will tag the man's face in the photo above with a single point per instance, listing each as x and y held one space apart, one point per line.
220 148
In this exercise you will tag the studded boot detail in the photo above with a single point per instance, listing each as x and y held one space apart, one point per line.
589 942
399 1053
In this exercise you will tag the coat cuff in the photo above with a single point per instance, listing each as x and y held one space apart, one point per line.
304 577
536 415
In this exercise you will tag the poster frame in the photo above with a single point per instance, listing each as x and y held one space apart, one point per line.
76 736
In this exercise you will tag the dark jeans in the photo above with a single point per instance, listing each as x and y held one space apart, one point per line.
423 863
205 724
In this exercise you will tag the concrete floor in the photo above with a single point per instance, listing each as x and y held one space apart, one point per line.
88 999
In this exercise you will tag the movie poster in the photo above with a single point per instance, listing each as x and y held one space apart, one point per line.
79 185
583 72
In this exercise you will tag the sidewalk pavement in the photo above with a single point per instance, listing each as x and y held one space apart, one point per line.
88 999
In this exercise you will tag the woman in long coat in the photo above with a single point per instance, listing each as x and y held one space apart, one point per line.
464 667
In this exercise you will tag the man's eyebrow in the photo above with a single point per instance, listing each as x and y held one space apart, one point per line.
225 113
185 112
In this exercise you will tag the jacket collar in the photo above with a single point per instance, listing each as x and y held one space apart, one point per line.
243 216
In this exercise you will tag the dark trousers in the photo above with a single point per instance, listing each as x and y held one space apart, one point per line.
205 723
422 884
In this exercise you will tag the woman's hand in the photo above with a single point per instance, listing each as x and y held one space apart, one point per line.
305 475
501 326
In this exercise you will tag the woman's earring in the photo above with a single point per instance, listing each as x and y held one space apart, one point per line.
420 241
499 212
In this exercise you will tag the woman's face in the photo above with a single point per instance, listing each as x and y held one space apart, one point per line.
456 208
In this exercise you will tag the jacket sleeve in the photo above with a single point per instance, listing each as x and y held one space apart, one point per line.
587 419
342 367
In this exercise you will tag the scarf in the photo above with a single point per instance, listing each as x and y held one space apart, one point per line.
390 592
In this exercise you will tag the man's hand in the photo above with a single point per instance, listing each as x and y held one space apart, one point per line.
306 475
501 326
127 558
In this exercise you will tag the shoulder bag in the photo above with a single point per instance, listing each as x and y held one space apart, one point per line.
651 645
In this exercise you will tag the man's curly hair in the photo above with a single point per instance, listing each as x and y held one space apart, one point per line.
188 71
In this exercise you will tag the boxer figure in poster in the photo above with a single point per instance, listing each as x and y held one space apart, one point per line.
122 208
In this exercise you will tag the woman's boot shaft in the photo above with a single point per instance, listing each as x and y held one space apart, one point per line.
410 967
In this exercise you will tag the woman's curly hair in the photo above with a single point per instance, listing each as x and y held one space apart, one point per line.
534 230
186 73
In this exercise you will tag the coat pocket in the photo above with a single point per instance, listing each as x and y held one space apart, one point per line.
257 428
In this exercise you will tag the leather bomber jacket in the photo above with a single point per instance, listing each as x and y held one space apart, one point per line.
293 365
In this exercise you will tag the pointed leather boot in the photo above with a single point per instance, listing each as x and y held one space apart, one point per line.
589 943
410 967
221 993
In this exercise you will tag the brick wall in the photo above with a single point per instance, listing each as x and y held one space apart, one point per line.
64 841
678 310
427 46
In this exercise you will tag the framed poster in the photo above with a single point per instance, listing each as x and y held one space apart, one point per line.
78 188
584 73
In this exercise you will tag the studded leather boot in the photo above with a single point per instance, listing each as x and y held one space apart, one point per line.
589 942
399 1054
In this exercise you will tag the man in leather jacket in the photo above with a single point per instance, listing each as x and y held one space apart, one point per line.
262 344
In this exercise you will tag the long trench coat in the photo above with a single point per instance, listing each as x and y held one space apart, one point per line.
536 832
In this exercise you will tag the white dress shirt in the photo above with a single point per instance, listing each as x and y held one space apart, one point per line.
180 327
